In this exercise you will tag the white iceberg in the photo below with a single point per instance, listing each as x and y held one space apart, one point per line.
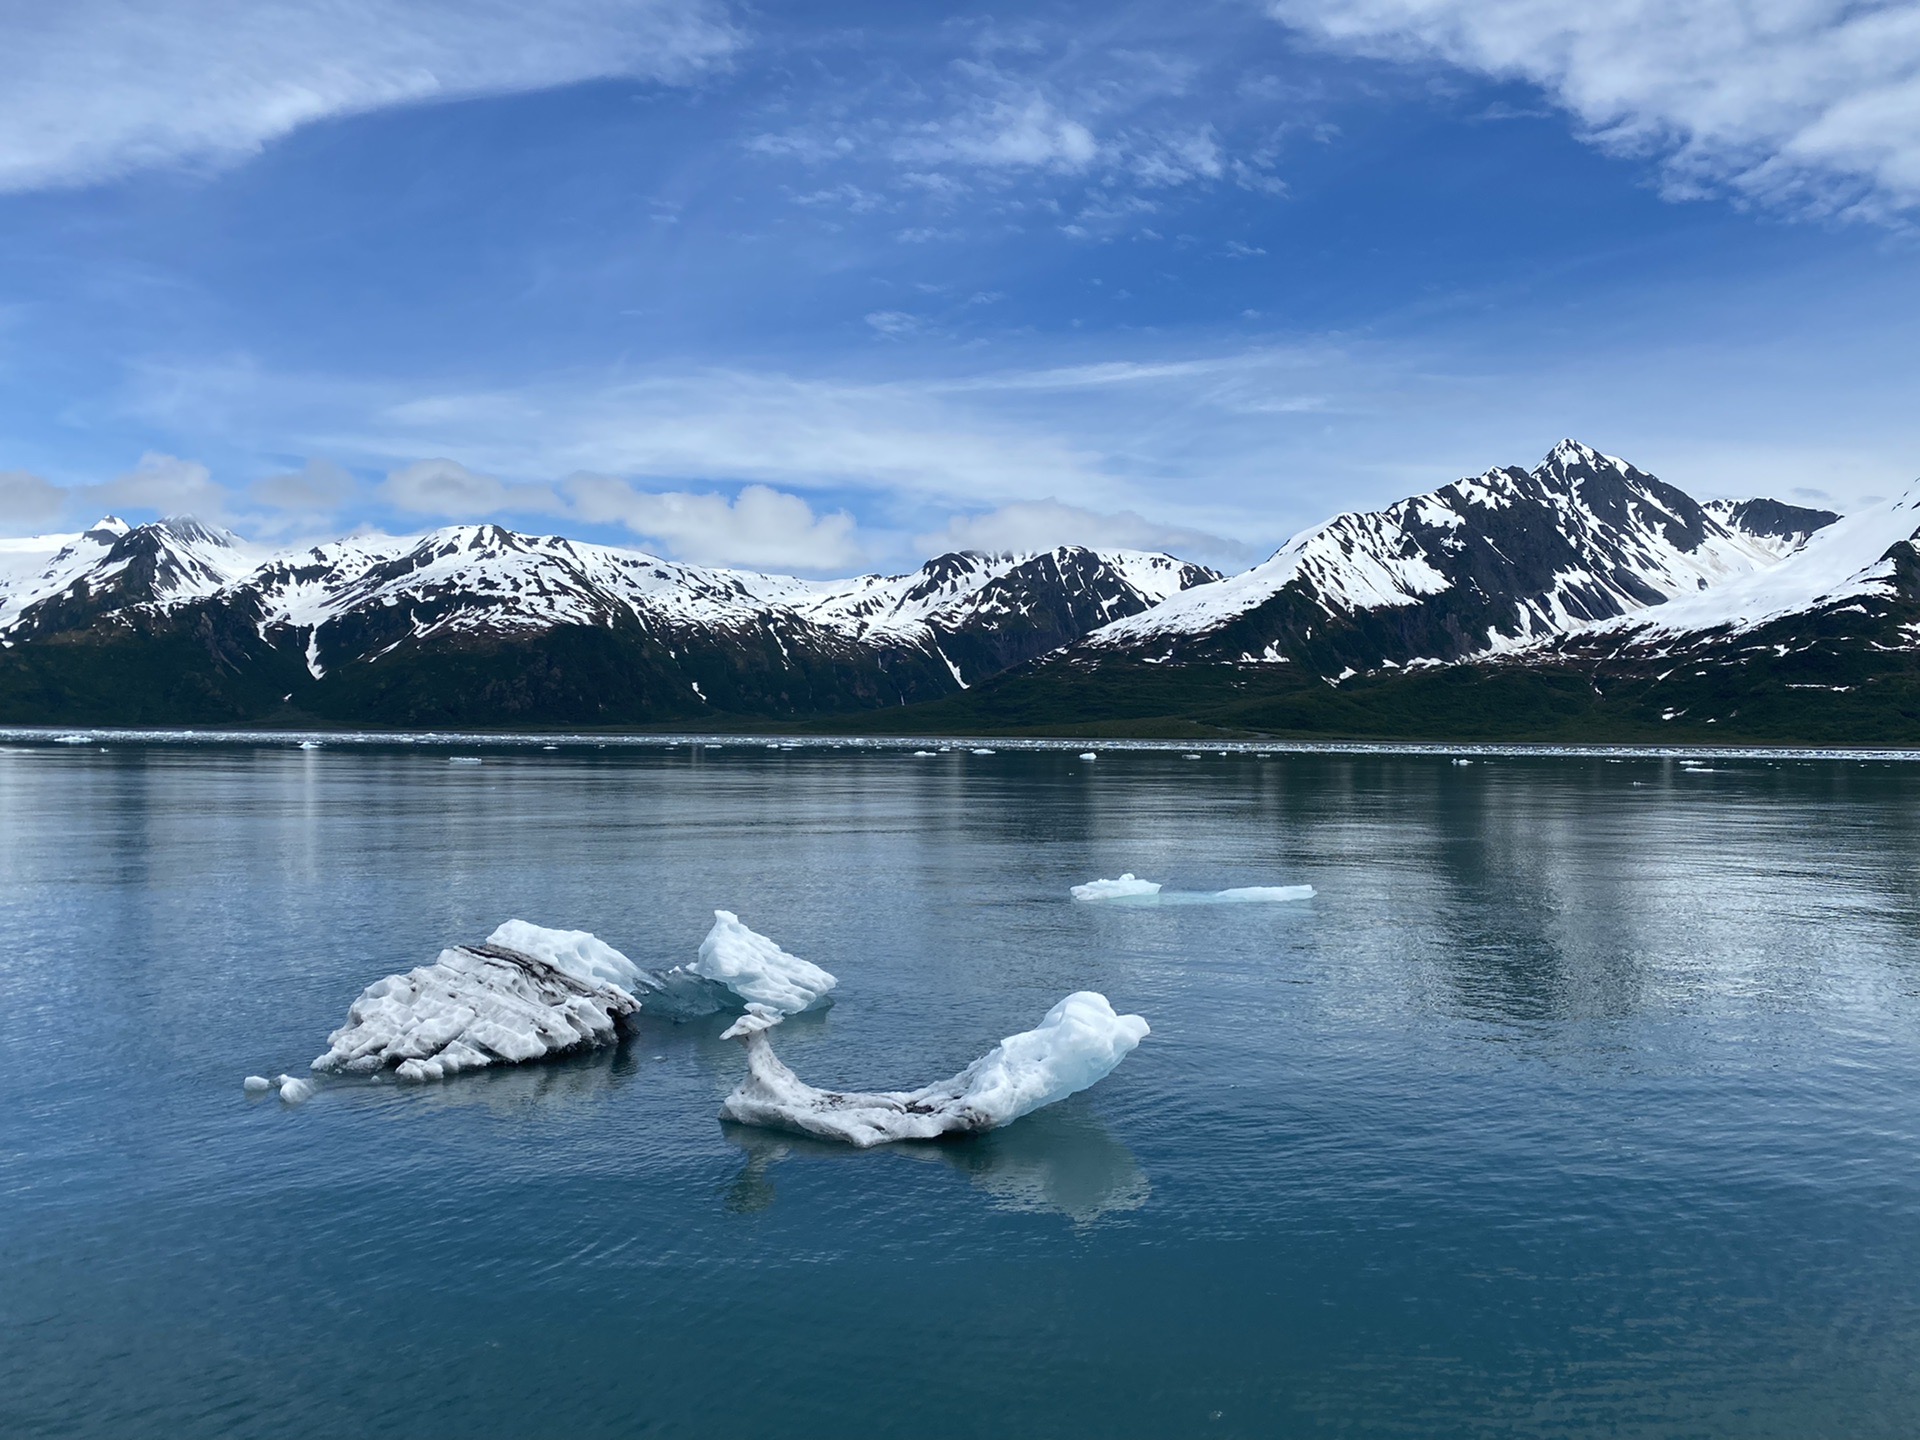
1246 895
737 969
528 991
1088 755
1079 1043
1127 886
480 1005
1147 892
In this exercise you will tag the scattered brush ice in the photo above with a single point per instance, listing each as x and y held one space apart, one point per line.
1463 762
1078 1044
487 1004
1088 755
464 760
257 1084
73 739
293 1091
1133 891
1125 887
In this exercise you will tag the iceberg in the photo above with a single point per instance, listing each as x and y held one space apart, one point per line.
1079 1043
1125 887
1088 755
737 970
480 1005
528 992
1147 892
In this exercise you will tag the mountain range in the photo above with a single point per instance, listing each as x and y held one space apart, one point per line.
1583 598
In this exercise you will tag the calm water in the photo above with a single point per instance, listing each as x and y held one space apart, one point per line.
1583 1101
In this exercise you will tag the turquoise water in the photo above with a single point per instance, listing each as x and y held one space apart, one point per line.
1583 1100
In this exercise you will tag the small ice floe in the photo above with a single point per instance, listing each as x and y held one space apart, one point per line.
463 760
1079 1043
1126 885
737 969
256 1084
926 754
293 1091
309 745
73 739
1129 889
1462 762
1195 755
983 752
1088 755
524 993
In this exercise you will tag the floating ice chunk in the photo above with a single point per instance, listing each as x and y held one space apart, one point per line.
1250 895
758 1017
293 1091
582 954
73 739
1146 892
257 1084
1127 886
486 1004
1079 1043
983 752
757 970
927 753
1088 755
1194 755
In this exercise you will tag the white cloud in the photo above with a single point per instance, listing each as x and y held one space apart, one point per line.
28 504
166 484
1043 524
1810 105
760 528
893 323
446 487
99 88
1028 132
318 488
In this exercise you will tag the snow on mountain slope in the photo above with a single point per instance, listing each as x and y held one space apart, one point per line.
359 599
1774 526
1843 561
1483 565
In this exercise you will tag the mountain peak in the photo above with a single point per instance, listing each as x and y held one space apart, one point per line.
1571 452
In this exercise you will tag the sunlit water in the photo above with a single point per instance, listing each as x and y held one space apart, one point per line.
1583 1100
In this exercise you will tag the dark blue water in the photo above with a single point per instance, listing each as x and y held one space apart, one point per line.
1583 1101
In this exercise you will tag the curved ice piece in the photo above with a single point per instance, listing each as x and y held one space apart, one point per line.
1119 889
486 1004
1079 1043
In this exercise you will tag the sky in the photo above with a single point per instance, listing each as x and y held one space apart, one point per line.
834 287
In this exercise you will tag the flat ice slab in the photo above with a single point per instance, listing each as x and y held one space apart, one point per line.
1077 1044
1131 890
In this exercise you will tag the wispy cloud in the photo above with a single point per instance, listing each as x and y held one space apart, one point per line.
97 89
1807 105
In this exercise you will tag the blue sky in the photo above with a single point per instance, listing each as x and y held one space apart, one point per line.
832 287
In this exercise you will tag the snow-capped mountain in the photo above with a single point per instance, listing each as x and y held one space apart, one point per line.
475 621
1494 564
